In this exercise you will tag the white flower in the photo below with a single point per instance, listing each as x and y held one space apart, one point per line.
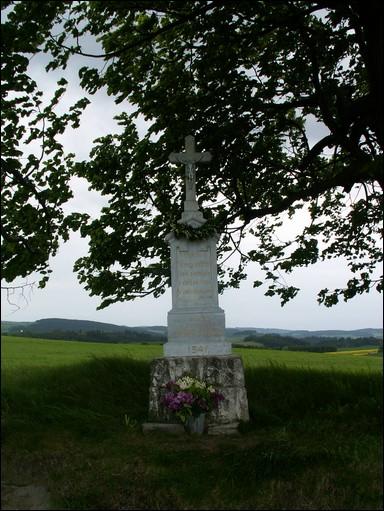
186 382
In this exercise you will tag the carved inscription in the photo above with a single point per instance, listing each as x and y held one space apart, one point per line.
195 283
199 349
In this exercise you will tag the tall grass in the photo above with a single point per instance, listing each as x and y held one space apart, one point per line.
313 441
277 394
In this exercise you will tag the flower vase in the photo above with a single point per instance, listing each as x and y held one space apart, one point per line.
195 425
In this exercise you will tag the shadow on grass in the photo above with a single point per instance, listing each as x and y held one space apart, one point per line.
277 395
90 398
298 461
107 394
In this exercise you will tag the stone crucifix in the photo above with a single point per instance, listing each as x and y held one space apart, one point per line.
189 157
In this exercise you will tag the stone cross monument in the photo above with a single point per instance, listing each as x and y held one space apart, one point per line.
196 324
191 215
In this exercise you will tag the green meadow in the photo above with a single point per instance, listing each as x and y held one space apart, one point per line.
72 414
31 352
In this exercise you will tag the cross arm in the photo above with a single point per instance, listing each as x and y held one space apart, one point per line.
206 156
174 157
185 158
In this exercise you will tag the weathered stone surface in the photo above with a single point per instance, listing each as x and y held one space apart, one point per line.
225 373
191 215
224 429
194 273
175 429
196 323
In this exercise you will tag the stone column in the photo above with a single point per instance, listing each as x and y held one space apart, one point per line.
196 339
196 324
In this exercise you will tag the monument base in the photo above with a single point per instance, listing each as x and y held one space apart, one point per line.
225 373
196 332
178 429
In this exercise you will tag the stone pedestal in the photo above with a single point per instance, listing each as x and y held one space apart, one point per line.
225 373
196 323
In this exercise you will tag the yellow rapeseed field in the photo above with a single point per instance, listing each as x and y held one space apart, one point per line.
368 351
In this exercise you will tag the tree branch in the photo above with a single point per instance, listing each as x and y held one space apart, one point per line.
146 38
28 184
310 192
10 238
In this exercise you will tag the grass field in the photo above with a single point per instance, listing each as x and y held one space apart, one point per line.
71 416
28 353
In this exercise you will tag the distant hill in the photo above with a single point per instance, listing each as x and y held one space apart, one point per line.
75 325
353 334
83 330
60 328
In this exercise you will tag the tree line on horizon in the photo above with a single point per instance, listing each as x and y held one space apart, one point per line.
272 341
125 336
310 343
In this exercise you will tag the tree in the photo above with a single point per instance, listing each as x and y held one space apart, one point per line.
34 187
246 78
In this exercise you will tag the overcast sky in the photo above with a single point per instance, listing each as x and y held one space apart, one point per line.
65 298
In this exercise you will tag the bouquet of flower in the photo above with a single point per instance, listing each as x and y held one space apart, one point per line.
189 396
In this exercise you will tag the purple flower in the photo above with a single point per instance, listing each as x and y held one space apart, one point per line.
174 401
194 398
187 397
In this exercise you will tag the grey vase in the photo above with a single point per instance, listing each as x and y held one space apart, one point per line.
195 425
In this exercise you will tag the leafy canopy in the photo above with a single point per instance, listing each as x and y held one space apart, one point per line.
248 79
